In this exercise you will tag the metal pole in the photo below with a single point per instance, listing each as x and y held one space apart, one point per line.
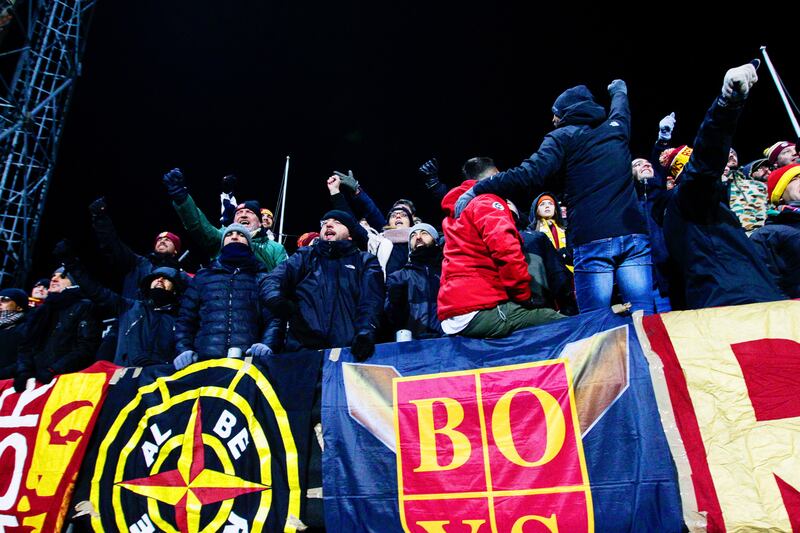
283 199
779 86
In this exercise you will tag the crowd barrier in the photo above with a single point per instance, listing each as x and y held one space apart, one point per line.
594 423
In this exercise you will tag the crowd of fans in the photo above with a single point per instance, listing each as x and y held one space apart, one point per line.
684 228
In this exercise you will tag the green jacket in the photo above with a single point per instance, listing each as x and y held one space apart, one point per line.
210 237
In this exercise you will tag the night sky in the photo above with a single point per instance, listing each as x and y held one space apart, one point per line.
235 86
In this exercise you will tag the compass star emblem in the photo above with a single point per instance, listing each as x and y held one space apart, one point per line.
191 485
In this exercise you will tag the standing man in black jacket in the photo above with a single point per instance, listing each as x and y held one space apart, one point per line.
412 291
330 293
222 312
61 335
718 264
606 229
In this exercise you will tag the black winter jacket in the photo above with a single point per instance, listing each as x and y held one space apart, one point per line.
223 308
11 335
61 335
412 292
592 151
146 329
718 263
778 245
337 291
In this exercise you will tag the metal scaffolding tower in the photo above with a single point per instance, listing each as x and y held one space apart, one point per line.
33 105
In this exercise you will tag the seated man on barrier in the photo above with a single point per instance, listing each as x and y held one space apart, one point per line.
485 288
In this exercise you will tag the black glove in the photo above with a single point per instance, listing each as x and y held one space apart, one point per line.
229 184
176 186
98 207
430 170
363 346
20 380
45 375
64 252
281 307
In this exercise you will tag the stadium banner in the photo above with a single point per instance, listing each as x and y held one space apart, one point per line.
44 433
727 381
221 445
555 428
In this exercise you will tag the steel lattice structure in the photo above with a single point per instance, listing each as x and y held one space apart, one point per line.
33 105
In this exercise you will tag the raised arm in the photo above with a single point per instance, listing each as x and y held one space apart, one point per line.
195 222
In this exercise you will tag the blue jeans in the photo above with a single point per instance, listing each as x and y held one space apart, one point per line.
625 260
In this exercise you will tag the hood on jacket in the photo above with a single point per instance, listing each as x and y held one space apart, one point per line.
532 213
450 199
576 106
167 272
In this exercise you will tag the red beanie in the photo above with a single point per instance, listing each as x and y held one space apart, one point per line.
778 180
171 236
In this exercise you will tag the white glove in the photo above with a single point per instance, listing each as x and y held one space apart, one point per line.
259 350
665 127
738 82
185 359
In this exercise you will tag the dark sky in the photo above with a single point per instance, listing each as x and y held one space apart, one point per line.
378 87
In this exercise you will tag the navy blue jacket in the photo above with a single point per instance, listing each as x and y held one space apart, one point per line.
146 329
337 290
778 245
223 308
717 262
593 152
412 292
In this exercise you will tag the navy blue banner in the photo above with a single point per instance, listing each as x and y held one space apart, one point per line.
610 410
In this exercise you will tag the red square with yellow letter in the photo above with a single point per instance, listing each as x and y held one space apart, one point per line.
495 449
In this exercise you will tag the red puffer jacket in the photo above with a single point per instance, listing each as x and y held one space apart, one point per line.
483 262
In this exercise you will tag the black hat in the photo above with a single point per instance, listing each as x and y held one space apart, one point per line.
250 205
401 207
17 295
343 217
45 282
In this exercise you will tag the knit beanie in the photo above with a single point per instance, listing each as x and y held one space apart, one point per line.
407 203
775 150
403 208
18 296
424 227
63 271
250 205
171 236
778 180
676 159
546 197
570 97
344 218
236 227
307 238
